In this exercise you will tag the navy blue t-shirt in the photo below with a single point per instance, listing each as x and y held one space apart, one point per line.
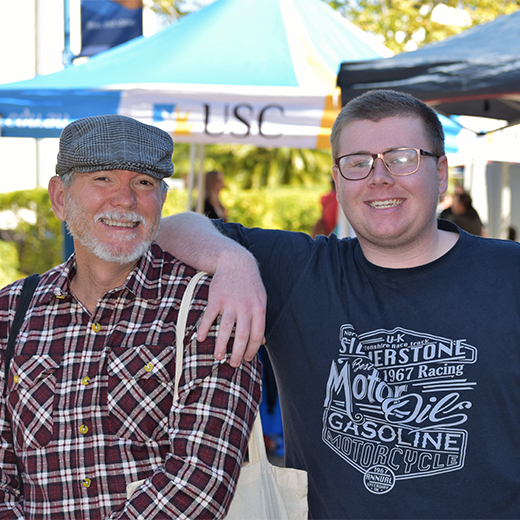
400 388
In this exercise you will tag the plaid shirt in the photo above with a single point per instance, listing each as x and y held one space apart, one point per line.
89 404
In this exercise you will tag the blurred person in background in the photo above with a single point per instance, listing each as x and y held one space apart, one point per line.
462 212
213 207
447 199
328 220
465 215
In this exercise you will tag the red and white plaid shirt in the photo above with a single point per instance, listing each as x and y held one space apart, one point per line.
89 401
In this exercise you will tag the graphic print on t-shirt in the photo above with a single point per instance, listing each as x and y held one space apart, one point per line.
396 402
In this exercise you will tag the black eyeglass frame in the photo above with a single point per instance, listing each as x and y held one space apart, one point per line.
375 156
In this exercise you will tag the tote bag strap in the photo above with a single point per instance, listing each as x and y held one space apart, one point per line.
256 446
181 329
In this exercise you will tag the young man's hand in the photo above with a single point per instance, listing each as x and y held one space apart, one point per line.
238 295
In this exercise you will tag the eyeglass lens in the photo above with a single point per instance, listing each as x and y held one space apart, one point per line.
398 162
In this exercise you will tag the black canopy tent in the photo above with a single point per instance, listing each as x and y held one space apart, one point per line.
475 73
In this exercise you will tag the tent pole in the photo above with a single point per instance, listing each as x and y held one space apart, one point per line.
201 185
68 242
67 55
193 150
38 35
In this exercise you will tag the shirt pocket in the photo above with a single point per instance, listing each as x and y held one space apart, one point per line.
32 391
140 391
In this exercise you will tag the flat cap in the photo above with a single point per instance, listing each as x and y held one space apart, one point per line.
113 142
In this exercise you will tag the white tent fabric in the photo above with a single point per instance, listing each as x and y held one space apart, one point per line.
259 72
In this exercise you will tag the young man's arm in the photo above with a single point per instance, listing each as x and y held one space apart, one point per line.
237 292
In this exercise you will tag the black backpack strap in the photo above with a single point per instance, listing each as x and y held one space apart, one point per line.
29 285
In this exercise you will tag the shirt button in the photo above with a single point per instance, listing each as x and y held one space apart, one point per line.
85 381
96 327
83 429
148 367
86 482
60 295
16 379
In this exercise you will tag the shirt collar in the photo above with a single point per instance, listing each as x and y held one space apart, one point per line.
144 281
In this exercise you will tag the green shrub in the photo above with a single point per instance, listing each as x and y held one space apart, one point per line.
293 208
8 263
38 232
176 202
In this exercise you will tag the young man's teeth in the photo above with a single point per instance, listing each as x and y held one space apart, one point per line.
382 204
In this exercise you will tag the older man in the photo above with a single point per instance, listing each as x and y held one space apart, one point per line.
89 414
396 352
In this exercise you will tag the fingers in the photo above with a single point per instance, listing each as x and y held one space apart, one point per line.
225 331
249 336
238 295
249 333
208 317
256 335
242 313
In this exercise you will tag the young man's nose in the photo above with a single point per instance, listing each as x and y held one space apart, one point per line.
380 173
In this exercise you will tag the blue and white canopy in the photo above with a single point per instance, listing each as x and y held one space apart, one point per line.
259 72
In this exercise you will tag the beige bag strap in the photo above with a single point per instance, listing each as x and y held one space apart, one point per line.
181 329
256 446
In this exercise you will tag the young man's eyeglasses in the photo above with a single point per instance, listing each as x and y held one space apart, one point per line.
401 161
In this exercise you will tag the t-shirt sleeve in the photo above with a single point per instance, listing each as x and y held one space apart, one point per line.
281 255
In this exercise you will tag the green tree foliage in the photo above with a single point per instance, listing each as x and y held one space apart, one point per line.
405 24
174 9
252 167
401 25
292 208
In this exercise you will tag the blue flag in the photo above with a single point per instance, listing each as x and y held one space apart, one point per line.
107 23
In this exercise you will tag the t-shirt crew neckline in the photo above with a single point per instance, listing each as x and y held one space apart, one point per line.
411 272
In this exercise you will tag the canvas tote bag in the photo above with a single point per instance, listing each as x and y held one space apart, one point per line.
267 492
264 491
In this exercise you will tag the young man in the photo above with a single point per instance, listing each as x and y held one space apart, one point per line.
396 352
88 413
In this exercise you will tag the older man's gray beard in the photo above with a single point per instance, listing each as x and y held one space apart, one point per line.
77 225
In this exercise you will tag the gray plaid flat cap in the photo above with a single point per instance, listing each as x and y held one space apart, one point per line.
113 142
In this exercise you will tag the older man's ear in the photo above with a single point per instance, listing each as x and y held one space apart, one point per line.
57 196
